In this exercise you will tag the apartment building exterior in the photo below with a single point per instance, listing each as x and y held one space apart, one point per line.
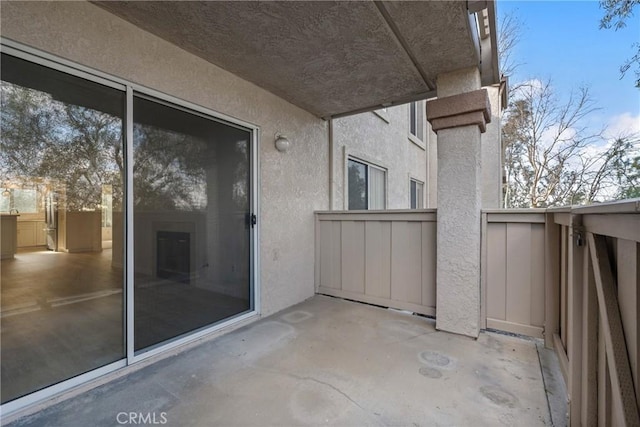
186 217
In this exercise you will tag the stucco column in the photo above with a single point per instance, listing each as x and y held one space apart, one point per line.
459 115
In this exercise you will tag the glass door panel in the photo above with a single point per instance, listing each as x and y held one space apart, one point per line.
191 189
61 147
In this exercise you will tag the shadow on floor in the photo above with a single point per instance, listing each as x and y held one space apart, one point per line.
326 361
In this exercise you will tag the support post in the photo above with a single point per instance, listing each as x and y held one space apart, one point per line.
574 321
459 116
551 280
589 402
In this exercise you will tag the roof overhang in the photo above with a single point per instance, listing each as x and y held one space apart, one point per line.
330 58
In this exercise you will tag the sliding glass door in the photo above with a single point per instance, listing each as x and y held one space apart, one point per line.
62 272
86 283
191 188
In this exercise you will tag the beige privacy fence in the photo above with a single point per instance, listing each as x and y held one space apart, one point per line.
596 333
513 271
386 258
570 275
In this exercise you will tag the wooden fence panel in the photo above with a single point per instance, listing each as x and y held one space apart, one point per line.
514 272
386 258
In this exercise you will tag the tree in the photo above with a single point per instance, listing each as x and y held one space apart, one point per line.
616 14
509 32
551 156
47 141
628 169
78 150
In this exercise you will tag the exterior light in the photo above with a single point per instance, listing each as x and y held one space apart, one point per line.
6 193
282 143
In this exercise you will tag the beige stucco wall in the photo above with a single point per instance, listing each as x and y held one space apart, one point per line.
383 140
491 154
88 35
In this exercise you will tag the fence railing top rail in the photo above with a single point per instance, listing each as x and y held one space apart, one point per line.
515 211
378 212
620 206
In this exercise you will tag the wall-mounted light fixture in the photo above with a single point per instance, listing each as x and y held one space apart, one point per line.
6 193
282 143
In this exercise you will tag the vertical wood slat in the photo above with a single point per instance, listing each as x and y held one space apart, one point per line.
330 254
628 272
518 273
378 258
353 246
617 356
563 286
496 271
589 396
574 320
406 257
537 275
551 281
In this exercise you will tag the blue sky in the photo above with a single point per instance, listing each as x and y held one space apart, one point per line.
562 41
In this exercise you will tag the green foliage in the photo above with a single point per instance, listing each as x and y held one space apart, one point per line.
628 174
616 14
44 140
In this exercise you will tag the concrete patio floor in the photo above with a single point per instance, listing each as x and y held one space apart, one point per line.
328 361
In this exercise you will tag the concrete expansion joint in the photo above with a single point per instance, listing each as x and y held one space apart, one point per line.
465 109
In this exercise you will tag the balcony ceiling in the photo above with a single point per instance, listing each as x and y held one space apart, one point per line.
329 58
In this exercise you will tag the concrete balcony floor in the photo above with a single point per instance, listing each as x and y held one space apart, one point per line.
334 362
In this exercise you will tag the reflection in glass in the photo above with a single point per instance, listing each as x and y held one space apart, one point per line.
191 230
357 186
62 278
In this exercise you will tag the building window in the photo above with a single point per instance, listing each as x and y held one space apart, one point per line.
416 120
416 194
367 186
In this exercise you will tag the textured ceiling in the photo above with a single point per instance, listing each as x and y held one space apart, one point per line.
329 58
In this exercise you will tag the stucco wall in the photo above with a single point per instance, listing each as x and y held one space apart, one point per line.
382 140
491 154
292 185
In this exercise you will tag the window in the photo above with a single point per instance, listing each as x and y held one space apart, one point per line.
23 201
416 120
416 194
367 186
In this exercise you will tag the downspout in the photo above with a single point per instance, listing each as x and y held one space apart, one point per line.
331 189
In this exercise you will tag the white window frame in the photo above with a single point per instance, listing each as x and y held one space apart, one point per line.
418 183
369 165
418 137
